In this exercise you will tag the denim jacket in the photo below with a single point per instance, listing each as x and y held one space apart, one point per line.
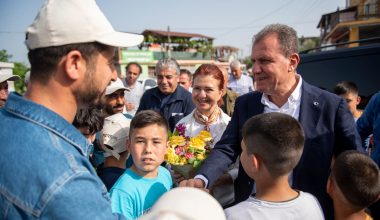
45 173
369 123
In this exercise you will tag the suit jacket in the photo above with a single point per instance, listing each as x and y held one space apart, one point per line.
229 101
329 129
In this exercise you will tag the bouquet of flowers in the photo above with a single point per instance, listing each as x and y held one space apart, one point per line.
186 154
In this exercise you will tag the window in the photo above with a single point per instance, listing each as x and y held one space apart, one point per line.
367 7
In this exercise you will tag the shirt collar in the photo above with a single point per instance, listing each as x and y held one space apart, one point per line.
293 99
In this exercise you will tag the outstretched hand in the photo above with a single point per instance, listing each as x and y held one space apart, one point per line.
196 183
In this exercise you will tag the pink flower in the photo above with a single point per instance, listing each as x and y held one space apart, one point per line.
189 155
180 150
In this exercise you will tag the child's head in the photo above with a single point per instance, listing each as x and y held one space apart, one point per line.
354 180
89 121
114 136
350 92
273 139
148 142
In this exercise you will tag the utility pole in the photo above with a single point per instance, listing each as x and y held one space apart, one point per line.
169 54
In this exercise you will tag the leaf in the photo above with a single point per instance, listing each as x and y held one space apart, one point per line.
175 132
192 160
197 164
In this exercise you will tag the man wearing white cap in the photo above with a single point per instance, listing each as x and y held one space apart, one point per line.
114 98
114 103
4 78
71 48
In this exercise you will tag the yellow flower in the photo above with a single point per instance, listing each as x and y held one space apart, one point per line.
205 135
200 157
197 143
183 161
177 141
171 156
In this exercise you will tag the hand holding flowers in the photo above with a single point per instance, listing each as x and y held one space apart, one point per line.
186 154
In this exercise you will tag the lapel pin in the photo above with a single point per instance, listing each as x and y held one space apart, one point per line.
316 103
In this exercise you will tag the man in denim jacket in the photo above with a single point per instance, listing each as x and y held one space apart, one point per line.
45 173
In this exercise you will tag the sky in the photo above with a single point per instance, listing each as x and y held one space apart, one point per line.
230 22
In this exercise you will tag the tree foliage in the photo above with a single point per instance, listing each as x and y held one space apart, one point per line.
307 43
4 56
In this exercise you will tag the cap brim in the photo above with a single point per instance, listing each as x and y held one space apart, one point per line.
121 39
110 91
9 78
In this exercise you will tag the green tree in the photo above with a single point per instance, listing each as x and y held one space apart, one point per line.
19 69
4 56
307 43
247 61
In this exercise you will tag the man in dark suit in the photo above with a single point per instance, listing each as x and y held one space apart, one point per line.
328 125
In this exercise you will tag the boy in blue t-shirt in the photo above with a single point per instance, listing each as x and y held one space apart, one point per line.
140 186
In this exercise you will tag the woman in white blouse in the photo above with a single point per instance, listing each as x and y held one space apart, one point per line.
208 88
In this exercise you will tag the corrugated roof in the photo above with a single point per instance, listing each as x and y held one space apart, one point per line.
175 34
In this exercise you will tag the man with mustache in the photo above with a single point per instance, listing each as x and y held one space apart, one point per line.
172 100
114 100
114 155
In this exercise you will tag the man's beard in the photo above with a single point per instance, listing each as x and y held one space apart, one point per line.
89 94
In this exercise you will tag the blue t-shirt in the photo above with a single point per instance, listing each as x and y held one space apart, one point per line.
133 195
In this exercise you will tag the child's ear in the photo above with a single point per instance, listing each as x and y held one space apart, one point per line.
358 99
255 162
329 186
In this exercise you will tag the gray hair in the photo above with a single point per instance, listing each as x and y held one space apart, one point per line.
167 63
235 63
286 36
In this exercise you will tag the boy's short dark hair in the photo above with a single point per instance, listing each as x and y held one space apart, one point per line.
358 178
44 61
91 118
147 117
346 87
277 139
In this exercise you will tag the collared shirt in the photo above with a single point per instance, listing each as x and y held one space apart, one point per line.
292 105
133 95
242 85
45 172
291 108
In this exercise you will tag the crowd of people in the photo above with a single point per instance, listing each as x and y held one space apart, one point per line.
84 142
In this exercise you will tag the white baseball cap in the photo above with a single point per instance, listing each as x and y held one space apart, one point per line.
114 134
114 86
8 77
185 203
62 22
